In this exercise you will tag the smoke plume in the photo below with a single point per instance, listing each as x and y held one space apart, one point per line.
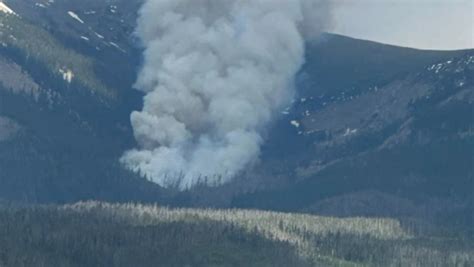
215 74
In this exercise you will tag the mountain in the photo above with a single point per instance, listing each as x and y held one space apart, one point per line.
403 133
375 130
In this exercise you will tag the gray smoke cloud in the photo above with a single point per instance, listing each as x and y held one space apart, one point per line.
215 74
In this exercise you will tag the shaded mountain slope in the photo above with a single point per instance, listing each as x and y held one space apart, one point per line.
411 139
70 108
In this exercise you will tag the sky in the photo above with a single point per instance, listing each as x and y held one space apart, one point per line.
424 24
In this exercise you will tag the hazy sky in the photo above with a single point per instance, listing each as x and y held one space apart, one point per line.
428 24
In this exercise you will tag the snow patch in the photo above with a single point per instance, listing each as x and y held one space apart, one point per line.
68 75
461 83
113 9
75 16
295 123
99 35
5 9
350 131
117 46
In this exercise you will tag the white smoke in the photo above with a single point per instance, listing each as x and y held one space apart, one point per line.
215 73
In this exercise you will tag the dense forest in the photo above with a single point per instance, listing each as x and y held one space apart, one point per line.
101 234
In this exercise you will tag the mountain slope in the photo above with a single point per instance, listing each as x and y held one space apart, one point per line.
70 109
98 234
409 142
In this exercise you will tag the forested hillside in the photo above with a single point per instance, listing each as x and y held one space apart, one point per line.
100 234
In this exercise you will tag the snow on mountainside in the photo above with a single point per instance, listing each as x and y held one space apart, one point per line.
4 8
99 25
75 16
